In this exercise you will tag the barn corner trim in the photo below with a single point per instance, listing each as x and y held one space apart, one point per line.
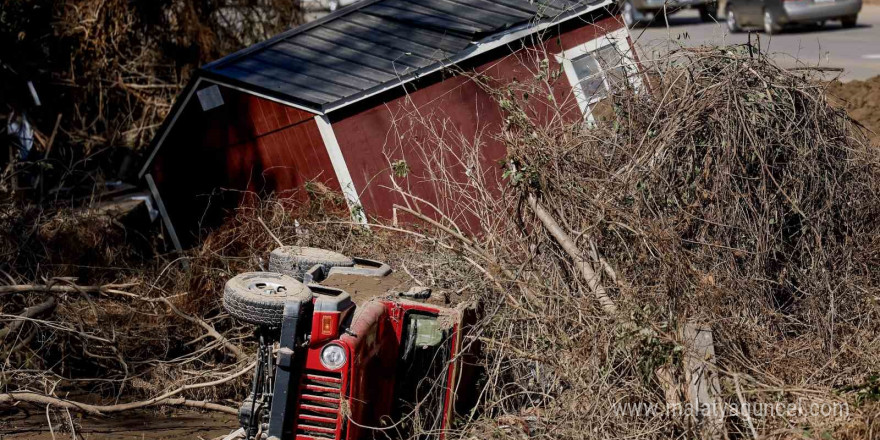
346 184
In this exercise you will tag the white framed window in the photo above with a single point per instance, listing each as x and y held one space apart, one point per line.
598 66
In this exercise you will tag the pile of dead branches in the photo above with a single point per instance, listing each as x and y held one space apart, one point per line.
710 241
85 84
727 201
95 318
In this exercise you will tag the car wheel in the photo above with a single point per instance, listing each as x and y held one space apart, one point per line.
732 22
849 21
259 297
771 26
629 14
709 12
295 261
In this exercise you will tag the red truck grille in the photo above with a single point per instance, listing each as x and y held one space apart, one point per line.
318 415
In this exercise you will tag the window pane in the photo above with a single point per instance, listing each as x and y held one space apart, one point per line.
612 61
589 76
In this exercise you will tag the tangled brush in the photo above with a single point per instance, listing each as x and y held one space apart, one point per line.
728 193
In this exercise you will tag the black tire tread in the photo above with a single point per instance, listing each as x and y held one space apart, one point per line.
260 309
296 260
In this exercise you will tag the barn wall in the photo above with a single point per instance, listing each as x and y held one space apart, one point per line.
456 110
209 160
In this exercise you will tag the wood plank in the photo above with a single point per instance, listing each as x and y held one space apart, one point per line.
703 387
169 227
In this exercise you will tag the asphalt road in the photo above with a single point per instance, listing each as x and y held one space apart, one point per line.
855 50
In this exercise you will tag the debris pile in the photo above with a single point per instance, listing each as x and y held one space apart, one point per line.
710 240
719 229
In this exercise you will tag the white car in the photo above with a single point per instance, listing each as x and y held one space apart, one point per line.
325 5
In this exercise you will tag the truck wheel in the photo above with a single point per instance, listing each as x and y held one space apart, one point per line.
771 25
258 297
709 12
849 21
296 260
732 22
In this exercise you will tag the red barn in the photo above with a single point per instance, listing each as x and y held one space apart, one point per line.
323 101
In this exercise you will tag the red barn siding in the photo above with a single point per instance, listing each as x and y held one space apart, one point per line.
249 144
396 130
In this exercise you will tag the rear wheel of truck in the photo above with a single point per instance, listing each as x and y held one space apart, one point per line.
296 260
259 297
849 21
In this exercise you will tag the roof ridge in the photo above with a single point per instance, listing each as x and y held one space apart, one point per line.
288 33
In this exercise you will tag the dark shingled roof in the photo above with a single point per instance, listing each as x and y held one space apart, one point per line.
373 44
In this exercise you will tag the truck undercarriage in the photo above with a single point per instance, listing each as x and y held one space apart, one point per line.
330 366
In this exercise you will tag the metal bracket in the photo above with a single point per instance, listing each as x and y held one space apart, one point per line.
287 368
363 267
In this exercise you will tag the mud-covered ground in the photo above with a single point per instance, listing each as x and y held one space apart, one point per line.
30 424
862 101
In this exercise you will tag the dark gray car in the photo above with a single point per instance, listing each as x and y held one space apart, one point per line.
643 11
774 15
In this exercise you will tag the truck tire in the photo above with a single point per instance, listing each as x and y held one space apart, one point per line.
849 21
296 260
259 297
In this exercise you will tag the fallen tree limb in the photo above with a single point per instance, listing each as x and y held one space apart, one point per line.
699 389
570 248
68 286
98 410
53 288
28 313
212 332
163 399
238 352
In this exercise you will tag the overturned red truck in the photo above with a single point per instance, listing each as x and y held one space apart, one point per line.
338 365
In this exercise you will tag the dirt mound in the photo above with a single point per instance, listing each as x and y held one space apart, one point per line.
862 100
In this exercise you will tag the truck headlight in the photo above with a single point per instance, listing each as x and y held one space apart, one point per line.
333 357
